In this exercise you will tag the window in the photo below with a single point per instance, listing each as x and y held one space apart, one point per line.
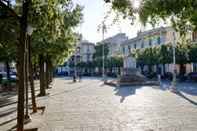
88 57
159 40
123 50
129 48
150 42
195 67
135 46
88 49
142 45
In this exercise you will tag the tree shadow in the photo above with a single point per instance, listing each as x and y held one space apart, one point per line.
186 98
68 91
188 88
7 103
6 99
8 112
8 94
125 91
6 122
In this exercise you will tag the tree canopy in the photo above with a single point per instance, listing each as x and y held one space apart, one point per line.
182 13
53 23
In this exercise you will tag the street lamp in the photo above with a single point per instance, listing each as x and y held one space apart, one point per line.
29 31
173 85
75 62
103 37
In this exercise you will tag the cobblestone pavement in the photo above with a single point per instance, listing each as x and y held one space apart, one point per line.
91 106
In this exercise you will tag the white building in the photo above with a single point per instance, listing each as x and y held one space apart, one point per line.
114 43
86 51
151 38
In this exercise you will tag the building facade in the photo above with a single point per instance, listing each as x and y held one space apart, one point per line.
86 51
152 38
114 43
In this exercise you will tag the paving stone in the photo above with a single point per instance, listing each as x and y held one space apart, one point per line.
91 106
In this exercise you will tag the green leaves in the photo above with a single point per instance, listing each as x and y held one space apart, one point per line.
185 53
181 13
99 50
54 21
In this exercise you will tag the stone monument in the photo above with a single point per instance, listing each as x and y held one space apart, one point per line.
131 75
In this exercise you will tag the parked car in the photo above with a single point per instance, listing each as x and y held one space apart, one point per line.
192 76
3 76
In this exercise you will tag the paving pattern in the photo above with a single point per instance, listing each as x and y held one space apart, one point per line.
91 106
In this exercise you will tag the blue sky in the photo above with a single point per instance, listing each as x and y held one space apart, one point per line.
94 12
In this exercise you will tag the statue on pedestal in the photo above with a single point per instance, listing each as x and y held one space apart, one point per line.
130 74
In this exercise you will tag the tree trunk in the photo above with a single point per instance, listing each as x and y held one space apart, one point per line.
42 76
7 70
35 71
20 66
26 75
20 87
47 72
182 70
50 71
31 80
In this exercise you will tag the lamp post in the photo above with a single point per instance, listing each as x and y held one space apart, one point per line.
26 72
75 66
103 51
173 85
75 63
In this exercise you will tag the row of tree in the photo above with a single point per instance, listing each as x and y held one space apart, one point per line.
44 46
97 62
185 53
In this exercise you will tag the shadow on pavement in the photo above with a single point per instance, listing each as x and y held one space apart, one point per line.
71 90
6 122
7 103
8 112
125 92
6 99
188 88
186 98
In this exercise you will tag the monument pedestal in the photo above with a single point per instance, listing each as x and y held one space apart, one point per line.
131 76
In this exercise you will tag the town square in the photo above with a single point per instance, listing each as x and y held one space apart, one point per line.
102 65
